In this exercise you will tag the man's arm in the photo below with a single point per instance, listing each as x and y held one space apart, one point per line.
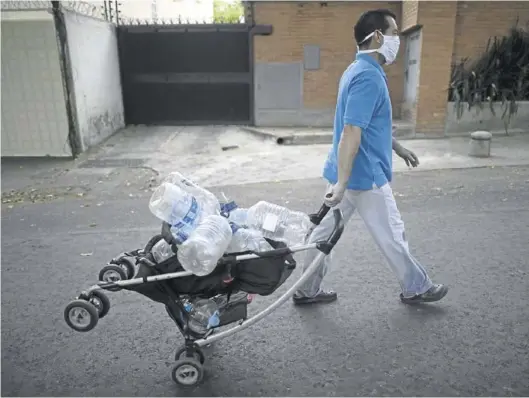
361 102
409 157
347 150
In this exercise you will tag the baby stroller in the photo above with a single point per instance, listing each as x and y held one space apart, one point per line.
236 277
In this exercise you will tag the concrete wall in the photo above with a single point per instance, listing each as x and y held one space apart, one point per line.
483 119
93 50
34 120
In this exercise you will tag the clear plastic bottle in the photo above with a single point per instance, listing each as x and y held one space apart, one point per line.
203 315
248 239
161 251
279 223
239 216
177 207
208 202
200 253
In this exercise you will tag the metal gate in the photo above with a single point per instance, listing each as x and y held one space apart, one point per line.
186 74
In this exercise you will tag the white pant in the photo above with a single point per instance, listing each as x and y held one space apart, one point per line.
379 211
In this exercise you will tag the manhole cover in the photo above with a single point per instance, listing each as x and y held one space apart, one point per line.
111 163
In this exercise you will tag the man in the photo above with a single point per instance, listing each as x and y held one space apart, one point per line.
359 165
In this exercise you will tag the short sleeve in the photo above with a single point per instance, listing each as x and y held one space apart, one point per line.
362 99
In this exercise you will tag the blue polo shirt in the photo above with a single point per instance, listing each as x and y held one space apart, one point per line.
363 101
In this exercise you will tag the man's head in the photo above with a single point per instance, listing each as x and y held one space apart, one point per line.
375 30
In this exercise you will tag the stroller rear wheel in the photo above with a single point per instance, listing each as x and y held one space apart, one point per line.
187 372
81 315
198 355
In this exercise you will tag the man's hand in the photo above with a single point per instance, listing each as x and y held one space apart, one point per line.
335 195
409 157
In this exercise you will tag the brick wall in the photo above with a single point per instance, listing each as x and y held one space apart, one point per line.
410 9
331 27
474 27
438 19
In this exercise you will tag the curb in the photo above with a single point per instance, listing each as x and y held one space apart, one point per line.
313 138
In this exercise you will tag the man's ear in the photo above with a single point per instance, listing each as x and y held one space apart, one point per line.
378 37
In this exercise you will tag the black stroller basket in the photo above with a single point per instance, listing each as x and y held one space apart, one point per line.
262 275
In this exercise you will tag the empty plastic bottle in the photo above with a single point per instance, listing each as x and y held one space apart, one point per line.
248 240
208 202
200 253
203 314
279 223
161 251
177 207
239 216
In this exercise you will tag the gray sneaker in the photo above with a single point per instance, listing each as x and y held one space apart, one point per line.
322 297
435 293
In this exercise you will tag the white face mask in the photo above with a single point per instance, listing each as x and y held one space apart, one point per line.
388 50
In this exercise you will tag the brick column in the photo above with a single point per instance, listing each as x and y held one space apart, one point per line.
438 19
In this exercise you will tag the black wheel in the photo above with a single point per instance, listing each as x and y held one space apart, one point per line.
187 372
100 300
128 266
150 244
81 315
198 355
112 273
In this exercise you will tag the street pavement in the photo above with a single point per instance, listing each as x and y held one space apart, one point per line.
470 227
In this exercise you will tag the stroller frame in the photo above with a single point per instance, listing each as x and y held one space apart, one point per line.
188 369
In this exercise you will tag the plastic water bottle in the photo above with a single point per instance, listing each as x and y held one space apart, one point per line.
203 314
279 223
178 208
248 240
161 251
208 202
200 253
239 216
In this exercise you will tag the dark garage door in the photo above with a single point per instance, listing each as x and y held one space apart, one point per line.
175 74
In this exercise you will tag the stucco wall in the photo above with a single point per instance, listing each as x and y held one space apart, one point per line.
94 61
483 119
34 119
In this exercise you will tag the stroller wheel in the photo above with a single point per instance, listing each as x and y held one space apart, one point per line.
81 315
187 372
100 300
128 266
112 273
198 355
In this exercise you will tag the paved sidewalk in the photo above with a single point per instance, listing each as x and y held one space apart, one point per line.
134 159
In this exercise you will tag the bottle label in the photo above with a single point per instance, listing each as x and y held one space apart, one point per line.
188 220
227 208
270 222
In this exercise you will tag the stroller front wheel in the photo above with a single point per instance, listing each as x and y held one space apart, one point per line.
127 265
112 273
81 315
100 300
198 355
187 372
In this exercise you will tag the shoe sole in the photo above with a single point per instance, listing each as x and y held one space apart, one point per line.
421 300
315 300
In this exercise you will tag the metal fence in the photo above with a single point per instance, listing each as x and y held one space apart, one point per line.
241 13
95 9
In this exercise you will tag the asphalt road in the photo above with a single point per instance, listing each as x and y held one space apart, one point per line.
469 227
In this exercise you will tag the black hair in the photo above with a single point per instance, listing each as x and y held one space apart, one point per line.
370 21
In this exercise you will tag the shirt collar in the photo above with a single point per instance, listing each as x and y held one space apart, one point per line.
368 58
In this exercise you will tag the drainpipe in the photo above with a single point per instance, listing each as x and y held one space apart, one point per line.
67 79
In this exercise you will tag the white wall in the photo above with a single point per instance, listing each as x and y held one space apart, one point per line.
483 119
34 120
94 62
